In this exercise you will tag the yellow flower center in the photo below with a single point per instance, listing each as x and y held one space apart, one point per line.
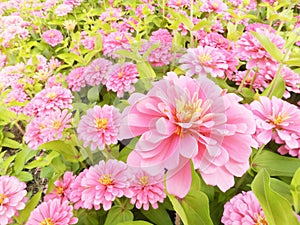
51 95
47 221
2 198
42 126
120 74
56 124
106 179
144 180
101 123
204 58
280 118
261 220
59 190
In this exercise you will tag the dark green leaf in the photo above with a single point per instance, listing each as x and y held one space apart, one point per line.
117 215
93 94
42 161
276 88
135 223
158 216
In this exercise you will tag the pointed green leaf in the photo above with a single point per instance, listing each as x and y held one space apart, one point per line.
145 70
10 143
135 223
24 176
179 209
20 160
276 88
43 161
117 215
158 216
295 190
93 94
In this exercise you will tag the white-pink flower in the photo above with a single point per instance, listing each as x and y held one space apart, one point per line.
97 72
53 37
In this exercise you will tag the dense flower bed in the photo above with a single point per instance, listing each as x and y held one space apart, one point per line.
149 112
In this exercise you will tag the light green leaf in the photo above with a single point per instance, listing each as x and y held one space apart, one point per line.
20 160
295 190
276 88
24 176
10 143
282 188
43 161
269 46
276 165
276 208
93 94
128 54
204 23
138 222
182 18
145 70
179 209
117 215
158 216
6 164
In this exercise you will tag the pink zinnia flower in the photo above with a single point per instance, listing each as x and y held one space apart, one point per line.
52 212
115 41
77 189
62 188
76 79
53 37
243 208
73 2
99 127
204 60
96 73
276 120
176 4
121 78
217 6
182 119
162 55
104 183
12 198
87 41
63 9
17 94
147 190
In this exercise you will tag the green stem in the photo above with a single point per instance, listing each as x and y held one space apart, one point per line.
243 81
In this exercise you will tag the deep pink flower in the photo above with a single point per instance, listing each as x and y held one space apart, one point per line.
121 78
52 212
182 119
53 37
147 190
276 120
12 198
62 188
204 60
104 183
115 41
76 79
243 208
77 189
97 72
99 127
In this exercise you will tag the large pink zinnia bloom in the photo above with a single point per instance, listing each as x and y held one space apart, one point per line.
53 37
53 212
243 208
105 182
99 127
183 118
12 198
276 120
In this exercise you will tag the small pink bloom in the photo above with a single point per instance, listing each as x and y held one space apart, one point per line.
147 190
115 41
73 2
62 188
121 78
53 37
77 189
104 183
97 72
99 127
63 9
87 41
243 208
217 6
52 212
12 198
76 79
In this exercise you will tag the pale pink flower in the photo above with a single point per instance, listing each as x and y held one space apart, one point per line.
176 4
73 2
77 189
276 120
97 72
244 208
53 64
99 127
216 6
253 79
115 41
104 183
52 37
147 190
121 78
204 60
62 188
12 198
48 100
87 41
52 212
76 79
162 55
17 94
182 119
33 134
63 9
3 60
248 48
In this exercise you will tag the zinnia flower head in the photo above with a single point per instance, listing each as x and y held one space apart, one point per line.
63 9
115 41
77 189
204 60
276 120
243 208
104 183
52 37
12 198
76 79
183 119
121 78
52 212
147 190
99 127
217 6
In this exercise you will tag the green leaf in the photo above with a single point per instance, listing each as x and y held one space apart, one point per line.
182 18
30 206
158 216
135 223
6 164
117 214
269 46
10 143
20 160
295 190
43 161
24 176
93 94
89 217
204 23
179 209
145 70
276 165
282 188
128 54
276 208
70 57
276 88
